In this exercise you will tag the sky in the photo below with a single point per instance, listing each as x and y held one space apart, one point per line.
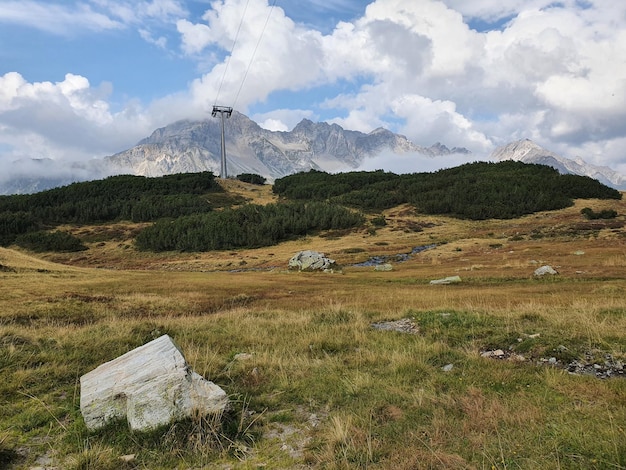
83 79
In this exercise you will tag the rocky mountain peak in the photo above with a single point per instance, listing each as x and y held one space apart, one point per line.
528 151
186 146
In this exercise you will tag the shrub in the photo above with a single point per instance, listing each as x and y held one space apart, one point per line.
590 214
50 241
251 178
249 226
379 221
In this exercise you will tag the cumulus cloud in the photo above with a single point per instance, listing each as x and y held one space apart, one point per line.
549 71
69 119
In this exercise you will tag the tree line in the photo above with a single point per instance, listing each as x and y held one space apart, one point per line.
125 197
249 226
476 191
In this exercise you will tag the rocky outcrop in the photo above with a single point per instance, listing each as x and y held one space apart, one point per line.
149 386
312 261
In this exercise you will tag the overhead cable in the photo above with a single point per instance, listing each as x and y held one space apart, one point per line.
243 16
254 52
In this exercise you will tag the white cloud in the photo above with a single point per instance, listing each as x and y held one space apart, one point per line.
55 18
554 72
67 119
282 119
195 37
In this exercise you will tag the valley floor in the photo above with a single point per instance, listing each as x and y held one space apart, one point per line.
319 386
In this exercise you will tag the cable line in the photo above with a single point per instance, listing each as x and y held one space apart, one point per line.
219 90
254 52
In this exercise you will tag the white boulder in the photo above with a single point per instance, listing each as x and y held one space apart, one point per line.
446 280
543 270
150 386
308 260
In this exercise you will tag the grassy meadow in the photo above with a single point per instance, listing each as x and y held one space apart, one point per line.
317 386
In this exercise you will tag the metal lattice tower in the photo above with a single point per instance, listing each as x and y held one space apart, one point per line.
228 111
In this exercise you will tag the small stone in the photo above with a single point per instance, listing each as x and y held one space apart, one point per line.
447 367
383 267
552 360
128 458
446 280
242 357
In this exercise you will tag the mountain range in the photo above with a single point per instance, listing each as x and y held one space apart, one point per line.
193 146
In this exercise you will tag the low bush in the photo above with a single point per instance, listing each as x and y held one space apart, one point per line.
50 241
590 214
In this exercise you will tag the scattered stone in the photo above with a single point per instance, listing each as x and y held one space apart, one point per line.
397 258
312 261
544 270
383 267
242 357
605 368
446 280
579 253
150 386
447 367
404 325
498 353
128 458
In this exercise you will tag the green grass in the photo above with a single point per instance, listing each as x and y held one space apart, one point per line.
318 386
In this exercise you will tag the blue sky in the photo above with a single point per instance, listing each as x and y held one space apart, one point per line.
82 79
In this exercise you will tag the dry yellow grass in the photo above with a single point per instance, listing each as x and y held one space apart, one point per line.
380 399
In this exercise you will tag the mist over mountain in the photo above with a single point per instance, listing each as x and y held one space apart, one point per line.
529 152
193 146
32 175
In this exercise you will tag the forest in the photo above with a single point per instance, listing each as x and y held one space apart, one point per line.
182 205
249 226
475 191
125 197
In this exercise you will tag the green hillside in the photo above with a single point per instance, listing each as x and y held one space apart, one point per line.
181 205
475 191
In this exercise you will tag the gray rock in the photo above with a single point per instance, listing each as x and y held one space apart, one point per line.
495 353
383 267
311 261
404 325
544 270
150 386
446 280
